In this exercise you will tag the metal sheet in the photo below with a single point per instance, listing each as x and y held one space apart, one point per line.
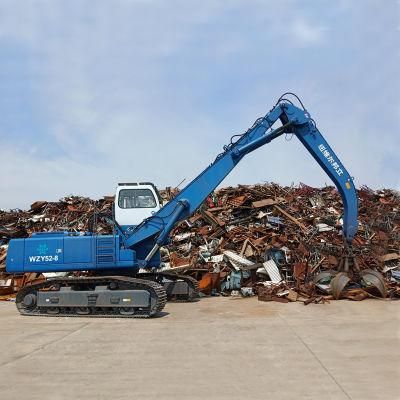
273 271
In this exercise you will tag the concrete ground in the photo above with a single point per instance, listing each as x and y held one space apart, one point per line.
217 348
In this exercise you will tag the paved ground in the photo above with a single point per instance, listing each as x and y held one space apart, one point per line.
218 348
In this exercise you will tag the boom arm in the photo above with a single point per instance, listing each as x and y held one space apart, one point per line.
294 121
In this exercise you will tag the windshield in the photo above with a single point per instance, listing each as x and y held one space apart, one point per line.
136 198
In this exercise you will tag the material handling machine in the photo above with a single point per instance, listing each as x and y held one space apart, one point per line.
116 286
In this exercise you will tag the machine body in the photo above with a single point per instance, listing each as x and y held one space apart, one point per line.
137 237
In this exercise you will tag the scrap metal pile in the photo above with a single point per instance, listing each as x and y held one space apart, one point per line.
275 242
280 242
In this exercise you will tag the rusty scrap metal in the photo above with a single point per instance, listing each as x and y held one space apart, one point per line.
299 225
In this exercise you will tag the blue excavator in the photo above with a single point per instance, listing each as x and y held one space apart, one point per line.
117 285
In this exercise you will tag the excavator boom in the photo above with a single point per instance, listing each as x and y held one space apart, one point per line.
294 120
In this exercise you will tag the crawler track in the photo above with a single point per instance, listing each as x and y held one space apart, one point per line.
192 290
155 292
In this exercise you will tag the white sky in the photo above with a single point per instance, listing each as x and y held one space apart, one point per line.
98 92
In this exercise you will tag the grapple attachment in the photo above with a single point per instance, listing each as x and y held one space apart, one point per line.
348 274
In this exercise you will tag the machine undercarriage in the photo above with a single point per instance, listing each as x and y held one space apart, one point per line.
106 296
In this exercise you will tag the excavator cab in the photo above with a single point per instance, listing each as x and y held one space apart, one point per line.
135 202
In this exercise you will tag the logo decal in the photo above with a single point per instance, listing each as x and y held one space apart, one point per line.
42 249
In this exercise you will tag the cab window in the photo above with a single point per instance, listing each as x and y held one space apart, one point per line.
136 198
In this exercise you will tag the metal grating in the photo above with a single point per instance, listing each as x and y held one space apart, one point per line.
105 251
104 242
105 259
